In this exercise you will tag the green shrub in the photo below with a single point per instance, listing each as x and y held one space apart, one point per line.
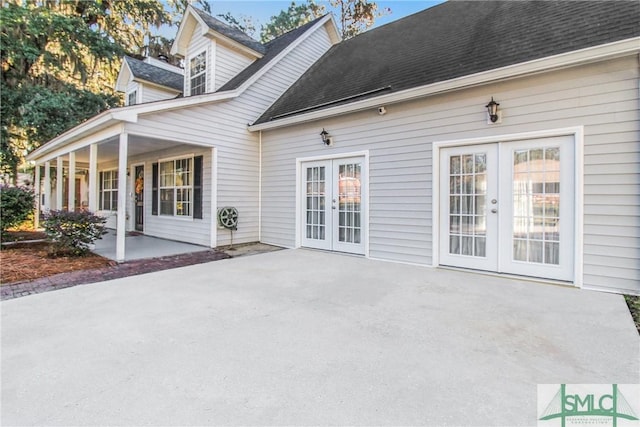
16 204
72 233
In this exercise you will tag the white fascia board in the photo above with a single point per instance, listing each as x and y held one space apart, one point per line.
121 83
332 28
175 47
187 101
284 53
126 114
232 43
159 86
100 121
564 60
95 137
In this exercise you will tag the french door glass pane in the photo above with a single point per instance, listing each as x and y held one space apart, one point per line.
315 215
536 205
467 204
349 209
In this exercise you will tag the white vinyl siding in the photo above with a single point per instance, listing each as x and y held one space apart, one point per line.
132 87
228 64
601 97
197 45
224 126
153 93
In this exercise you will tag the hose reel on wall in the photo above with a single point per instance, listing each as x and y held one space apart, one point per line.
228 218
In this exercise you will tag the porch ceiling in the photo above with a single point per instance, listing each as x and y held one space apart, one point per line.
138 144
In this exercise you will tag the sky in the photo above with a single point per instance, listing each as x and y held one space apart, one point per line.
261 11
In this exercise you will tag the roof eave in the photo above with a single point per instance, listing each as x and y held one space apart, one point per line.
104 119
121 85
233 44
126 114
158 85
251 80
550 63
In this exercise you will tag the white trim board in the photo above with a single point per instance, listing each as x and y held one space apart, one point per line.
298 198
578 136
550 63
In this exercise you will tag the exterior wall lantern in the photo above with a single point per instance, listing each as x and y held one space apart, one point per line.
492 110
326 138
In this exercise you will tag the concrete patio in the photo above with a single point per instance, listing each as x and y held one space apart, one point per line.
139 246
303 337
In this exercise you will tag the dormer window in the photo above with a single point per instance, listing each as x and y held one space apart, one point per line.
198 73
133 97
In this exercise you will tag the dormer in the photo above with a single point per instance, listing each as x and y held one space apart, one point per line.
213 51
148 80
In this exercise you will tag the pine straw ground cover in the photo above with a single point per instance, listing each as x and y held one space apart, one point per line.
30 261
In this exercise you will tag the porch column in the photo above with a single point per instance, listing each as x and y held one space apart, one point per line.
36 190
122 196
72 181
47 186
93 178
59 182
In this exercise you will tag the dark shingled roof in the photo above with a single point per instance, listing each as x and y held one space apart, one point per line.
228 31
272 49
454 39
154 74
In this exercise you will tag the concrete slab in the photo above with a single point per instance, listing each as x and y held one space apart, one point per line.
302 337
139 246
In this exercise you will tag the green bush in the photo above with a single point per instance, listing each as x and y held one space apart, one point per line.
16 204
72 233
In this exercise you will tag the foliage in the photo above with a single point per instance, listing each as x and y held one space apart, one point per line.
293 17
71 233
356 16
633 302
16 205
244 23
68 52
32 114
353 17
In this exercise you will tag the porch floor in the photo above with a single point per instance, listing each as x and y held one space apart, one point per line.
139 246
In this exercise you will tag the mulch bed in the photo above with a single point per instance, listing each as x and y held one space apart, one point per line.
27 262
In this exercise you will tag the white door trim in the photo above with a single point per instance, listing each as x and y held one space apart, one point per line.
578 136
131 196
365 193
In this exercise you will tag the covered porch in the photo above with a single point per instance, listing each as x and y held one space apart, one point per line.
139 183
139 246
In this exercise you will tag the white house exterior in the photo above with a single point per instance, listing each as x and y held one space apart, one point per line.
149 80
550 191
164 167
409 167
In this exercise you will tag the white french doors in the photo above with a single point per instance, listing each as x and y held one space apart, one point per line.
333 205
508 207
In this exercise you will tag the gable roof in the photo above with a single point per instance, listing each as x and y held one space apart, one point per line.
229 31
153 74
272 49
452 40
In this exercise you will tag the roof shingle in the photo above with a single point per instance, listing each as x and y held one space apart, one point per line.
230 32
451 40
154 74
272 49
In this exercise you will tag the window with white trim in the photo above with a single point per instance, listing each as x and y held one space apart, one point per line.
133 98
176 187
198 73
109 190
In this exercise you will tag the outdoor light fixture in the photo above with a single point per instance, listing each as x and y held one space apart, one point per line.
492 109
326 138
